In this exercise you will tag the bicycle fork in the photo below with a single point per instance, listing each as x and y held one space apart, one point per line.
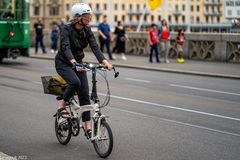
97 119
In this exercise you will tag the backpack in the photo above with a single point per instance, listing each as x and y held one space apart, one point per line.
160 31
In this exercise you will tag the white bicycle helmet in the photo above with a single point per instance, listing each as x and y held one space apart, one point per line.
80 9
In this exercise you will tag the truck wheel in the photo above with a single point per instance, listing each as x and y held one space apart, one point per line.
25 52
3 53
1 58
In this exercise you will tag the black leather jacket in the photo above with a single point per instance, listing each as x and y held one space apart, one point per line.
73 42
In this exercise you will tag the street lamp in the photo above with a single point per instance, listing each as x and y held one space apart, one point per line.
188 5
110 13
166 9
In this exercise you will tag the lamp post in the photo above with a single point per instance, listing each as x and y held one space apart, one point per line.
142 17
165 10
110 13
188 5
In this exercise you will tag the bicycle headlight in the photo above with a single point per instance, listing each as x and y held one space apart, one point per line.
91 65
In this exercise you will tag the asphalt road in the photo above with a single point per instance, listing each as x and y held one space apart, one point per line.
153 115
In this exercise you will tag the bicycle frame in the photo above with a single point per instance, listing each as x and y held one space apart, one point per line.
77 111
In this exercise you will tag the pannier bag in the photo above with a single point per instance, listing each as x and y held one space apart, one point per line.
55 85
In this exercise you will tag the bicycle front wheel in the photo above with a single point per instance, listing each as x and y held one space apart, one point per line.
63 130
104 143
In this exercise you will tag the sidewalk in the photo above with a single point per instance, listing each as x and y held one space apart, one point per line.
194 67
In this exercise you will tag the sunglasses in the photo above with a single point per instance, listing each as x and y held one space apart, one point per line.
87 16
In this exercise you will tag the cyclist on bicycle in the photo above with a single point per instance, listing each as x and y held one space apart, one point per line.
74 38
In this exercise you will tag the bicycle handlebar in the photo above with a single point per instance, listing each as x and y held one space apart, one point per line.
91 66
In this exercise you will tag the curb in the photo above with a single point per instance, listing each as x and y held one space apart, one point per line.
208 74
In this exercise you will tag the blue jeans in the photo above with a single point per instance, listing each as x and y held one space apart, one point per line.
107 43
39 39
154 48
54 43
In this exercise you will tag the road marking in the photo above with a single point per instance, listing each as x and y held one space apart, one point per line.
172 107
138 80
4 156
204 89
175 108
36 82
177 122
51 68
167 106
208 98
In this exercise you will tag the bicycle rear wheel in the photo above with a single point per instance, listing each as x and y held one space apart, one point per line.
104 144
63 130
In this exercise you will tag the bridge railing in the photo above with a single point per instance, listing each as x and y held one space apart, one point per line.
198 46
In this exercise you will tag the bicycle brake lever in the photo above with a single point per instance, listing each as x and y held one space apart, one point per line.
116 74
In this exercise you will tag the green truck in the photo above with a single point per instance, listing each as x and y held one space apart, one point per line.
14 28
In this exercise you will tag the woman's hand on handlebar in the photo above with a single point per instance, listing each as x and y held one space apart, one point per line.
73 61
78 67
108 65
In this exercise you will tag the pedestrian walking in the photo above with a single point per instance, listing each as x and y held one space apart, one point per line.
39 27
163 33
153 42
55 32
121 38
180 45
62 22
105 36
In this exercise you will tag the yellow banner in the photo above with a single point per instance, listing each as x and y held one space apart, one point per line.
154 4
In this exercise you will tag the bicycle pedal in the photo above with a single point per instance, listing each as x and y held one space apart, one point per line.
88 134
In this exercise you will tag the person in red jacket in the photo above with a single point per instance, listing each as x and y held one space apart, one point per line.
164 38
153 42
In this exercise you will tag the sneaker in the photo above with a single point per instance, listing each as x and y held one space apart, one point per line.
52 51
124 57
167 61
113 56
180 60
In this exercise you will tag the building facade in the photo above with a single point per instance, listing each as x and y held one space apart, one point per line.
198 15
50 10
232 9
